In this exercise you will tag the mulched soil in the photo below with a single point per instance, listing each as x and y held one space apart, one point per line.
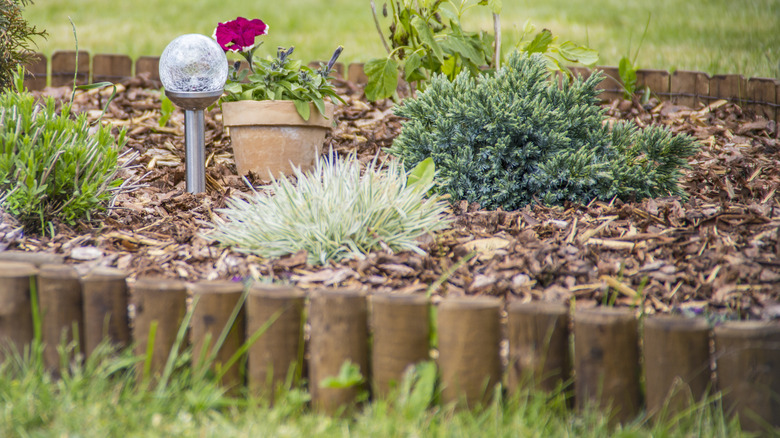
717 253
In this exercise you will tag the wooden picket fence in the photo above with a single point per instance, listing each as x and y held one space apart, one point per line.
383 334
689 88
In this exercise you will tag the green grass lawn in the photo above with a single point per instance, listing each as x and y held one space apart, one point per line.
102 399
714 36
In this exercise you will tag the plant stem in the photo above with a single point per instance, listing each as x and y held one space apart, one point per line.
497 31
378 27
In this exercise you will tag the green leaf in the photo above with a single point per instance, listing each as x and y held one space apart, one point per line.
303 109
540 43
575 53
382 78
495 5
426 36
422 174
413 63
627 72
467 46
349 376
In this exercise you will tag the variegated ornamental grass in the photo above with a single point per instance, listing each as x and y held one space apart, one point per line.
341 209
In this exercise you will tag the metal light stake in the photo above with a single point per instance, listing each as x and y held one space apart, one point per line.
193 70
193 104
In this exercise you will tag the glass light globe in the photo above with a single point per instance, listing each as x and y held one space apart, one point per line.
193 63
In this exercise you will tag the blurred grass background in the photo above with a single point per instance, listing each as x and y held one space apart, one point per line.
714 36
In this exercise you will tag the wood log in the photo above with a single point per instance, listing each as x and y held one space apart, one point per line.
538 346
62 313
105 308
34 258
656 80
276 357
747 357
611 85
762 94
339 333
469 359
111 68
401 331
148 66
676 362
16 323
63 68
161 304
606 360
689 88
216 303
36 72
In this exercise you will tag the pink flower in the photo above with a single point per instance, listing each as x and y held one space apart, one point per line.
239 35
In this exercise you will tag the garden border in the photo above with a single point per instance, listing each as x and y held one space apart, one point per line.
683 358
689 88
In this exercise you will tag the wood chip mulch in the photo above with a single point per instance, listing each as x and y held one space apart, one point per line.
717 253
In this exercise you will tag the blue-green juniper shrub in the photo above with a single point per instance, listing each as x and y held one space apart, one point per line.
516 137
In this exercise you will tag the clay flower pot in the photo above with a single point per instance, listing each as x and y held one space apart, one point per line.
269 137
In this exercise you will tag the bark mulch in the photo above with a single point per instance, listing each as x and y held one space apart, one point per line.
717 253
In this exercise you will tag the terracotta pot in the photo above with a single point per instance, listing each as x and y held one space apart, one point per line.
270 137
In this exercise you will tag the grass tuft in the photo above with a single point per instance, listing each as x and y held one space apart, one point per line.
336 211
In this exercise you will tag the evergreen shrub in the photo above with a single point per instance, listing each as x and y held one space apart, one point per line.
15 38
53 164
515 137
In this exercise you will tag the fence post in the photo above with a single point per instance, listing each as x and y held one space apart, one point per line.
676 362
105 308
401 337
162 303
611 85
747 354
689 88
469 360
62 311
63 68
36 72
16 325
606 360
538 345
216 303
339 332
111 68
656 80
148 65
280 347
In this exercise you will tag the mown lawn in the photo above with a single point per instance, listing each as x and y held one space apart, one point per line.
715 36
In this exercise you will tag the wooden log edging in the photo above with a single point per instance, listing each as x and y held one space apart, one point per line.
677 362
689 88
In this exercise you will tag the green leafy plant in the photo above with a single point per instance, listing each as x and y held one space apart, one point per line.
280 78
349 375
516 137
16 35
53 164
628 67
338 210
427 38
166 108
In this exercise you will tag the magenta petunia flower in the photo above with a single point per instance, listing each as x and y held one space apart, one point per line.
239 35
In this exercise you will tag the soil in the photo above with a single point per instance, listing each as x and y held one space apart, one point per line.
718 253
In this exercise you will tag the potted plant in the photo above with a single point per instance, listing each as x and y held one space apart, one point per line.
274 110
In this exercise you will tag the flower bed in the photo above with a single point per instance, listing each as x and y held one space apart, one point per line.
716 253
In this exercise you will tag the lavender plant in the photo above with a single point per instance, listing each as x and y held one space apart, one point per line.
53 164
335 212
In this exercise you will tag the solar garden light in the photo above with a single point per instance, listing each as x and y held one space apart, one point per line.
193 70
